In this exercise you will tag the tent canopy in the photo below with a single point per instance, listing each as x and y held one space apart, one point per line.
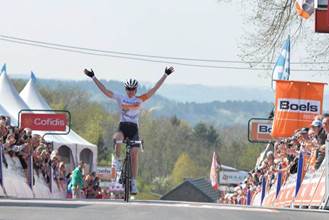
34 100
76 143
10 99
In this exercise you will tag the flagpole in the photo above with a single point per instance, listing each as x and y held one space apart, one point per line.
289 54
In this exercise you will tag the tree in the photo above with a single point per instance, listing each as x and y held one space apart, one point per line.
273 21
201 130
184 167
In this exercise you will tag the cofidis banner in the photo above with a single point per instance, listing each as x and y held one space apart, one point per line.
44 122
296 104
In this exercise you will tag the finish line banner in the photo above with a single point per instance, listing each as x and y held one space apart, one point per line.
296 105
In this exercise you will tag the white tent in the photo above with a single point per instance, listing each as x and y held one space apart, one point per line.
77 144
13 104
5 113
9 97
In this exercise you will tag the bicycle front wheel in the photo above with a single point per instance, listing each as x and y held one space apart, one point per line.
127 180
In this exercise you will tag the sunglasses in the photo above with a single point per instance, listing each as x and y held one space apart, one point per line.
131 89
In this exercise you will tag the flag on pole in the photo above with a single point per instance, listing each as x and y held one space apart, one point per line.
304 8
4 69
213 172
279 182
263 189
248 197
281 69
299 172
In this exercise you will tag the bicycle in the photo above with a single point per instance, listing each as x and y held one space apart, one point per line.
125 177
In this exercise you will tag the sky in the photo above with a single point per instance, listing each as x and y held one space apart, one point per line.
207 29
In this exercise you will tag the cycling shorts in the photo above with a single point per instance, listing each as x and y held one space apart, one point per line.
130 131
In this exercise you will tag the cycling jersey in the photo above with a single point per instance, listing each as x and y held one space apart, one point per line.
129 107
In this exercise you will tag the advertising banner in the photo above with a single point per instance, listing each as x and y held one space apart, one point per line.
296 105
104 173
260 130
232 177
44 122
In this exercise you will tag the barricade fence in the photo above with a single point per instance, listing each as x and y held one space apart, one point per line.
308 188
14 183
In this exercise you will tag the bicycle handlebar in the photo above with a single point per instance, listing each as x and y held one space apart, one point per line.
130 142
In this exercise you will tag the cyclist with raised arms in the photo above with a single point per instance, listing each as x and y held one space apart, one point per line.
129 105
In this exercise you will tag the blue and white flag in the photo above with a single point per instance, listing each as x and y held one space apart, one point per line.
281 69
33 78
304 8
4 69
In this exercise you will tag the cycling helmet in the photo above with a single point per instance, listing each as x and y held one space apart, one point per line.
131 84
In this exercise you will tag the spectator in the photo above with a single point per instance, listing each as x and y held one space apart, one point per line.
317 128
62 175
89 185
77 181
320 156
323 134
3 134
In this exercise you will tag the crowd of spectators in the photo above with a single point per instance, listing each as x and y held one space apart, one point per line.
283 156
86 186
20 143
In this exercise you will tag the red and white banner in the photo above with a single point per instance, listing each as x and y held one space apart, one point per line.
213 172
44 122
296 105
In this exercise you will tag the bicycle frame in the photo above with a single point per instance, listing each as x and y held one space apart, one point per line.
125 177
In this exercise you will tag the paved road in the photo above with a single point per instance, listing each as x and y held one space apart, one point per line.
142 210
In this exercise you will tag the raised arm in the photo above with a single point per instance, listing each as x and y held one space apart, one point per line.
151 92
100 85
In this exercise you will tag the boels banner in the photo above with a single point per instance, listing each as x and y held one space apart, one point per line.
296 105
259 130
44 122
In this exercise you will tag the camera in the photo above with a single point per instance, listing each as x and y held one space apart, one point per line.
26 136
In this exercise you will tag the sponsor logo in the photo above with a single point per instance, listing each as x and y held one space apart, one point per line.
264 128
44 122
48 122
299 106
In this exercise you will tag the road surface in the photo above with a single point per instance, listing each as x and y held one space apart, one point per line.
143 210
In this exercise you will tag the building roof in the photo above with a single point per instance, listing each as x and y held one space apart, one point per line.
201 185
205 187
